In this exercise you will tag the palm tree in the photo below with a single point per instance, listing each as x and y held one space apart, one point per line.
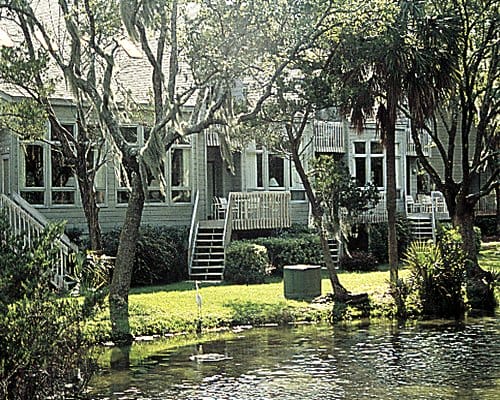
407 64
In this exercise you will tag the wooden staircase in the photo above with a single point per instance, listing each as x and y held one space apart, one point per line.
208 255
422 228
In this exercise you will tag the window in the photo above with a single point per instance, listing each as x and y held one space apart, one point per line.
62 179
297 192
63 182
369 163
100 181
32 180
180 175
360 170
260 169
45 177
377 171
276 171
271 171
177 172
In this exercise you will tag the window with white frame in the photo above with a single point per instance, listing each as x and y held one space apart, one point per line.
180 174
43 170
131 134
270 171
177 171
369 163
100 178
32 179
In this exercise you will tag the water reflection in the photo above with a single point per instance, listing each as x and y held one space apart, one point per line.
312 362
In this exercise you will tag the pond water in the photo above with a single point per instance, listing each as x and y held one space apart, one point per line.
433 361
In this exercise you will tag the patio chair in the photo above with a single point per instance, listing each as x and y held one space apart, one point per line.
220 207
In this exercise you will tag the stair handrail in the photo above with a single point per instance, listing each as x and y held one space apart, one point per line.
228 223
193 228
25 220
433 218
35 215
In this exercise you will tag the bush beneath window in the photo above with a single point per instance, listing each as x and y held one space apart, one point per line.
291 250
161 255
245 263
378 238
358 261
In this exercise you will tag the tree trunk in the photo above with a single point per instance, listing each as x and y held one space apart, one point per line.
497 191
91 211
480 284
339 292
122 274
390 162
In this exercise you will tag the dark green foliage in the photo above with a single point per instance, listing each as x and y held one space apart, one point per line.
246 263
442 229
378 238
291 250
43 352
487 224
438 275
161 255
294 230
358 261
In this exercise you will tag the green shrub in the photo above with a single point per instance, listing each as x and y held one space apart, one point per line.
245 263
291 250
438 275
442 230
43 351
161 255
487 224
358 261
378 238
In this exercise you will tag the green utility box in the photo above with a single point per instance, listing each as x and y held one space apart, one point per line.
302 281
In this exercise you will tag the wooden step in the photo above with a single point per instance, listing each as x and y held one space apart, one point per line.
208 255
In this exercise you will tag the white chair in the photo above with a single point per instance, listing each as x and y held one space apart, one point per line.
410 204
220 207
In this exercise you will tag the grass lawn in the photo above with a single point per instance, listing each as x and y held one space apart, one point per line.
172 309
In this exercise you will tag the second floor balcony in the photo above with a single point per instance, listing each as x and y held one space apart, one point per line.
328 137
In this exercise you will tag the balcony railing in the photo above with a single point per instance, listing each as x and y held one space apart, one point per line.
259 210
328 137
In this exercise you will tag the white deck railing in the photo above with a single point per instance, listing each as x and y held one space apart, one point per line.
371 216
259 210
28 222
328 137
433 204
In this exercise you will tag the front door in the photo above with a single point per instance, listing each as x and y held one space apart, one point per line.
210 186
